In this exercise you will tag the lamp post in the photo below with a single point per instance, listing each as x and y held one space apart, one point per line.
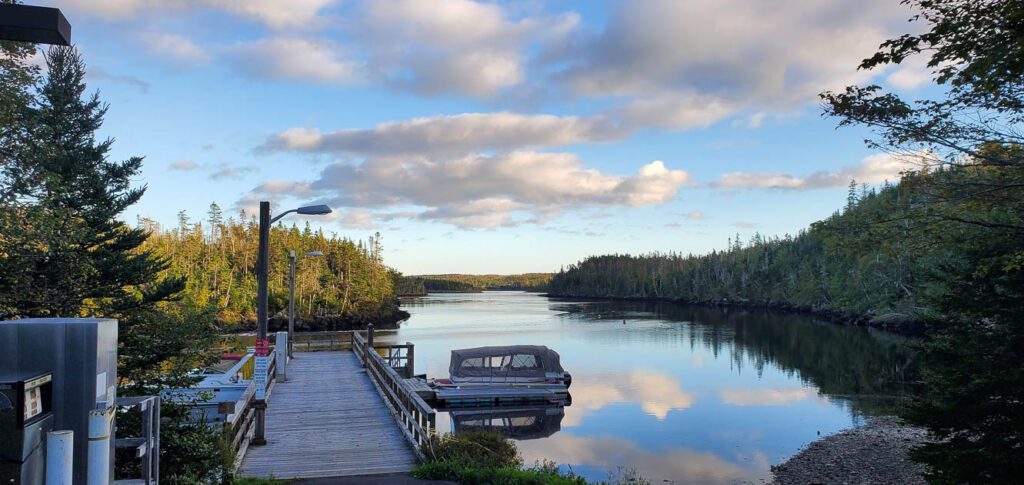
262 345
291 297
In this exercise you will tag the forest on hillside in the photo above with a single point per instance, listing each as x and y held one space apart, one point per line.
868 262
470 283
346 287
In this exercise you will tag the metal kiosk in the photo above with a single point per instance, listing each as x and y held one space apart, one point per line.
26 415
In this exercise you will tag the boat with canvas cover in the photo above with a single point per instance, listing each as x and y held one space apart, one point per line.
500 375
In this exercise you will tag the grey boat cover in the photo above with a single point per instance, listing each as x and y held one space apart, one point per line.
505 361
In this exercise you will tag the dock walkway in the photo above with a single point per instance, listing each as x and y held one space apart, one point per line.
327 420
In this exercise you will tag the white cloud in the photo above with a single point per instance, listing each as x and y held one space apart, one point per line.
456 134
676 111
231 172
908 77
176 47
297 59
277 14
689 64
540 179
482 191
98 72
871 170
452 46
184 165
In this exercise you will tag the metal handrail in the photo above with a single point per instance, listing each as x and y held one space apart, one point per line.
147 446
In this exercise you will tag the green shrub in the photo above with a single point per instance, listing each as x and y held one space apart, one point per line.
477 449
509 475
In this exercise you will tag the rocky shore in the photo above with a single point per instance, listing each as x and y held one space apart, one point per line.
875 453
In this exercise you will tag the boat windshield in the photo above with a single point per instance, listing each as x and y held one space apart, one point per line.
513 361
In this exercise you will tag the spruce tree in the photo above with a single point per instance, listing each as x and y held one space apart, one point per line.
65 253
64 250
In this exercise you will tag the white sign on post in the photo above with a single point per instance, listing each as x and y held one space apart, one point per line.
259 376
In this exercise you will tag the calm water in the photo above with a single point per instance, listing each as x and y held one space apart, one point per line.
691 395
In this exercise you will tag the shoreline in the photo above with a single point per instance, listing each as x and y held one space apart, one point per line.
875 453
898 323
390 320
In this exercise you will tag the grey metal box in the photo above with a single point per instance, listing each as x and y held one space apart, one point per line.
82 355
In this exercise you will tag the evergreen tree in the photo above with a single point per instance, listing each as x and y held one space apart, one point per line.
974 360
17 76
216 218
65 252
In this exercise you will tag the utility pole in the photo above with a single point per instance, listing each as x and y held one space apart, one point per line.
291 302
262 345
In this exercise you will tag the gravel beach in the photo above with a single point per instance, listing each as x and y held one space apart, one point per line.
875 453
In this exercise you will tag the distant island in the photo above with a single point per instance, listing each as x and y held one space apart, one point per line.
419 285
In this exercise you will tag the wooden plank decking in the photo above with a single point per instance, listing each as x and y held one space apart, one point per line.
327 420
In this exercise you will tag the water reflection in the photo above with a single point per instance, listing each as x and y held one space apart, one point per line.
872 371
690 394
657 393
598 457
520 423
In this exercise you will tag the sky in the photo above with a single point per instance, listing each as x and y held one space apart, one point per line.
494 137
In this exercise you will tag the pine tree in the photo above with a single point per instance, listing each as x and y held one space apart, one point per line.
66 253
216 218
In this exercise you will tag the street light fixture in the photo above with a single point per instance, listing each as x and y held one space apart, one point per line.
291 297
262 270
38 25
309 210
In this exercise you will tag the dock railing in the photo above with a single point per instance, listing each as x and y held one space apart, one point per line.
327 340
415 417
237 425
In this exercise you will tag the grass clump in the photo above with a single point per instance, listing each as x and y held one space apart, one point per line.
508 475
487 458
477 449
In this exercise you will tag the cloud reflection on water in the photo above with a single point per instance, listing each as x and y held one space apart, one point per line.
679 464
657 393
766 397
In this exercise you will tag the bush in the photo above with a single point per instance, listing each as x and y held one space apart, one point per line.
477 449
508 475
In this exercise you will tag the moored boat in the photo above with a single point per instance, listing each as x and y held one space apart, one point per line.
503 375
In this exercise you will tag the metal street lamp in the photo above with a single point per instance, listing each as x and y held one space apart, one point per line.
291 297
262 271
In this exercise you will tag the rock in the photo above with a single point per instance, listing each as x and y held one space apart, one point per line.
875 453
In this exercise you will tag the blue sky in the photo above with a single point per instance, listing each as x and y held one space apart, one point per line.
494 137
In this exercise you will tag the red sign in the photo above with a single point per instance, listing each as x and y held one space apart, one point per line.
262 347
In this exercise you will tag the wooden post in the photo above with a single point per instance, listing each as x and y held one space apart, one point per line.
410 369
369 335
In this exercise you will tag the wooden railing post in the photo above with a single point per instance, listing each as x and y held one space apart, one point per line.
369 335
410 368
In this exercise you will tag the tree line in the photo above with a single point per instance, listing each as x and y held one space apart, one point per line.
849 264
469 283
345 286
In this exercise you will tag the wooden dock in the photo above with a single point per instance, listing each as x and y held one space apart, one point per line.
328 420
